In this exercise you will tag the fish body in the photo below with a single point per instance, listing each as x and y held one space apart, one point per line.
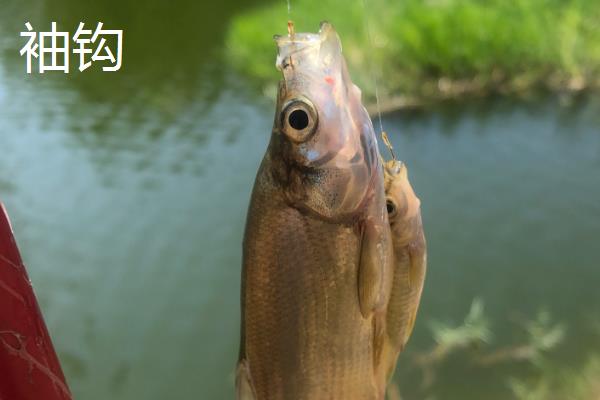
317 251
410 262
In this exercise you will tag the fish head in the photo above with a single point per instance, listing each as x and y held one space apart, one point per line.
323 135
402 203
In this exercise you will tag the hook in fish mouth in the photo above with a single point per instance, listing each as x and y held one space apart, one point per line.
325 29
306 45
393 167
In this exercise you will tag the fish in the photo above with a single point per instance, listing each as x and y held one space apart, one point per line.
410 262
317 263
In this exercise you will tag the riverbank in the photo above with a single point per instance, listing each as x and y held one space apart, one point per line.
425 51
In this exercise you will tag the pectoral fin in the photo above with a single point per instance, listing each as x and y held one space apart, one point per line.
375 269
409 275
243 383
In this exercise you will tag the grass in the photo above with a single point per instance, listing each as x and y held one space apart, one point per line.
559 383
424 50
546 379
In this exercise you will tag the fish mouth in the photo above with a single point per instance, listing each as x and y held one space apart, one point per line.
305 45
325 29
394 167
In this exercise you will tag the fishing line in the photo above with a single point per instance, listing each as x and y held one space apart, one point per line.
388 144
374 72
370 63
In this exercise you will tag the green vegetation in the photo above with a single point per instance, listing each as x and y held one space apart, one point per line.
546 380
450 338
556 383
429 49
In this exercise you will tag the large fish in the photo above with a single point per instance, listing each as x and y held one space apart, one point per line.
317 253
410 262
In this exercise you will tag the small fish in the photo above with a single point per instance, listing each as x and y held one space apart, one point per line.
410 261
317 252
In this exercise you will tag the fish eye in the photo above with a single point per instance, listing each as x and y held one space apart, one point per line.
299 120
391 207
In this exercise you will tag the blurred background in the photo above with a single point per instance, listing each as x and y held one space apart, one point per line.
128 190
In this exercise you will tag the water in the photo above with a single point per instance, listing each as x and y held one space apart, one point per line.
128 194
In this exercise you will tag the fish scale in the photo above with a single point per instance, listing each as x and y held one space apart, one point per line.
292 311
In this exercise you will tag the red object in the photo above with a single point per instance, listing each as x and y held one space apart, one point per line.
29 367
